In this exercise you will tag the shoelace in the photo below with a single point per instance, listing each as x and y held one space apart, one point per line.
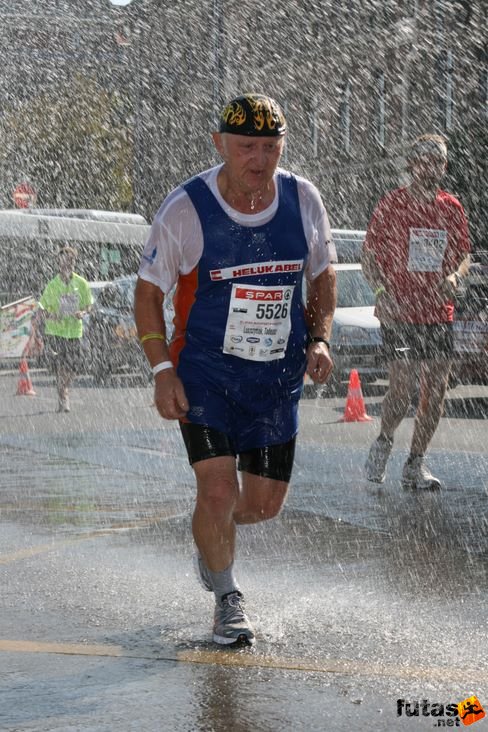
233 606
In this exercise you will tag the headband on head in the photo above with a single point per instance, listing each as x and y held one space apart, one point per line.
428 147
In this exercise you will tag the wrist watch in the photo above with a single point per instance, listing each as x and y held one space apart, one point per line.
318 339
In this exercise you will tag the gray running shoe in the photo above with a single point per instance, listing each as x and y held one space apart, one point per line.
416 475
201 572
379 453
231 624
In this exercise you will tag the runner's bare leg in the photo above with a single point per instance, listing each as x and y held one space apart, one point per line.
260 499
213 525
434 377
401 389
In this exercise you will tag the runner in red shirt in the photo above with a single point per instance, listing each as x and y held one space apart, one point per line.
415 254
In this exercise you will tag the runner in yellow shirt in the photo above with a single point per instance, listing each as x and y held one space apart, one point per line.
66 298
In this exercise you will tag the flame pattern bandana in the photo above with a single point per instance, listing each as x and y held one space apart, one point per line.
253 114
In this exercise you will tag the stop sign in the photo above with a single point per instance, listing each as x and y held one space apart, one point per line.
24 195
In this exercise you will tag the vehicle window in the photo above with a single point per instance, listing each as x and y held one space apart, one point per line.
107 296
126 288
96 288
352 289
473 299
476 300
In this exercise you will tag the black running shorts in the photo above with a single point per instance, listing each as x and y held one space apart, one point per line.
203 442
63 353
411 342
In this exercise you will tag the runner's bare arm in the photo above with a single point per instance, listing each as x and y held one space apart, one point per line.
169 394
453 280
148 314
387 309
371 270
321 303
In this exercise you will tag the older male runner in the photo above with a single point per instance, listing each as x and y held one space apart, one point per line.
237 240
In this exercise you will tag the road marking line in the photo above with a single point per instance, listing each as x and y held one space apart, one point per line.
252 660
40 549
114 528
330 666
72 649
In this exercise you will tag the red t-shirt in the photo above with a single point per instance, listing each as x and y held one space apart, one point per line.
416 245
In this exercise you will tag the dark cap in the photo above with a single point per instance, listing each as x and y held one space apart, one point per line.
253 114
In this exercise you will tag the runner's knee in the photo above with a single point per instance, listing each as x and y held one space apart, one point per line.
218 497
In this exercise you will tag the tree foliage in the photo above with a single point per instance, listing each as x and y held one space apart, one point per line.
75 147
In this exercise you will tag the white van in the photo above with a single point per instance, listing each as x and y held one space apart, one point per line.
109 245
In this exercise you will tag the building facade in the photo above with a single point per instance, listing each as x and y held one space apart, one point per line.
358 80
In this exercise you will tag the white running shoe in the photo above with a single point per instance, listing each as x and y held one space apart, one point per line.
201 572
379 453
416 475
231 624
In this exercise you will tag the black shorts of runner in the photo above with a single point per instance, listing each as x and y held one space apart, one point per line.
411 342
203 442
63 353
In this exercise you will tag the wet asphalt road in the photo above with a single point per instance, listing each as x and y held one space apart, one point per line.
361 595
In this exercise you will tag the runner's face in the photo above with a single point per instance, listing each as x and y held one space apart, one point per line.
66 264
428 169
250 161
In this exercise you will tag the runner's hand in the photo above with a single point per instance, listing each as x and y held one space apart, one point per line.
449 286
169 395
319 363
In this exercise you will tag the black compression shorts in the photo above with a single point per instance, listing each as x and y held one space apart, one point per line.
203 442
63 353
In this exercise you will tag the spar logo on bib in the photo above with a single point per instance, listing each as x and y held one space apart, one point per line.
259 295
269 304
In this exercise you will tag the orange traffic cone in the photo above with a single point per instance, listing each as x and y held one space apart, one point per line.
355 410
24 387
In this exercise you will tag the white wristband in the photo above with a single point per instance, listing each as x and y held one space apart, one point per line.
161 367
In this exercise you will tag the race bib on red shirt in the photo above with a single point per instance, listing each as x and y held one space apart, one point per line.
426 250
